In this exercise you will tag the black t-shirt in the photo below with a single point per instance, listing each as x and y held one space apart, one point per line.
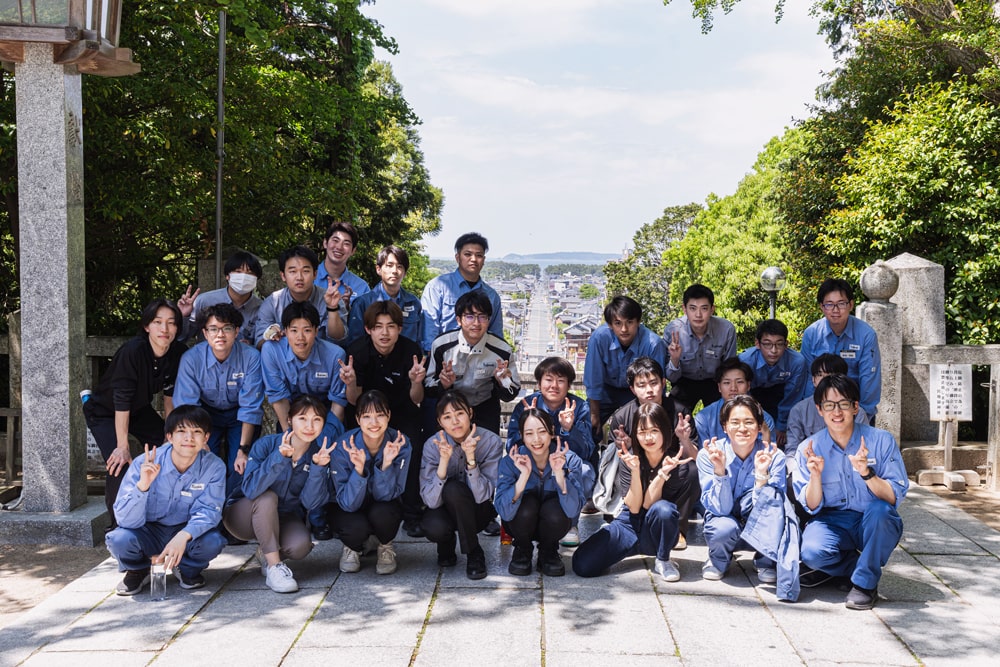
135 376
390 375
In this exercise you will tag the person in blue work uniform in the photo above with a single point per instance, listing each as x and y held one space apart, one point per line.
612 347
170 505
224 377
732 471
458 477
391 266
656 483
734 378
838 332
368 472
779 374
571 415
850 477
804 420
122 402
242 271
539 493
441 294
339 244
697 343
287 475
297 267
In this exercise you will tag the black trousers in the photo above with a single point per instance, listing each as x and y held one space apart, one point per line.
769 398
459 512
539 520
686 393
375 517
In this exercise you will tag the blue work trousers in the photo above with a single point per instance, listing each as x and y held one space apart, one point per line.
650 533
133 547
722 534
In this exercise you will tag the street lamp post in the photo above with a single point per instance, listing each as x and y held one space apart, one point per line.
772 281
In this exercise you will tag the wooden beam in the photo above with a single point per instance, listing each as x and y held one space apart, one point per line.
12 52
38 33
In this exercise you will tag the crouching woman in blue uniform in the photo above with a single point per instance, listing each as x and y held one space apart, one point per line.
368 470
286 476
658 488
539 493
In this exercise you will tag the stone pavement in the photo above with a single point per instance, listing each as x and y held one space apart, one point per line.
939 606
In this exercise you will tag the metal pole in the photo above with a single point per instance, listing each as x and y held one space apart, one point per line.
220 142
773 297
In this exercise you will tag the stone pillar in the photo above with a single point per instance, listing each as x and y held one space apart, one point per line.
921 301
879 283
53 328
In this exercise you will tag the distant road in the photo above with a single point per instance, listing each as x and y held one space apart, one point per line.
540 339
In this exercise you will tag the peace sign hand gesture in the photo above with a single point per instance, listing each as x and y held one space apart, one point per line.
674 348
622 439
149 470
557 459
670 463
391 450
629 459
357 456
529 406
815 462
469 444
447 374
762 460
285 448
332 294
717 456
347 374
567 415
418 372
186 303
322 457
860 460
521 461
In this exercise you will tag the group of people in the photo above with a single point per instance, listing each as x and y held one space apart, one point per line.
388 411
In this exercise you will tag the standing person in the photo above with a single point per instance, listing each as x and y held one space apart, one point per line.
734 378
242 271
805 420
224 377
279 488
474 361
697 343
297 270
732 471
658 487
838 332
851 478
458 477
122 402
170 504
441 294
779 374
539 494
339 245
383 359
391 266
612 347
368 469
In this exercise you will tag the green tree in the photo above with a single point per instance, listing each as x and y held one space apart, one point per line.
588 291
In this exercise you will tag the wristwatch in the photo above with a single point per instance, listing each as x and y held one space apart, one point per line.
871 473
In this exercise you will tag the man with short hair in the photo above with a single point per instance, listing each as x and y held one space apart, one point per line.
242 270
804 420
838 332
440 295
697 343
339 244
779 374
851 478
391 265
612 347
733 378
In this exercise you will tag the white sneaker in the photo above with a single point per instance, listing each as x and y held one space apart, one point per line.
710 572
571 539
280 579
350 560
767 575
667 569
386 563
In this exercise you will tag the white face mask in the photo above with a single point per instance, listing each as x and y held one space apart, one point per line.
242 283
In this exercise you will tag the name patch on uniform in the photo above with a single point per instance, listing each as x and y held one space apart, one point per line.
237 376
784 374
854 346
231 383
844 354
186 493
710 353
322 374
197 487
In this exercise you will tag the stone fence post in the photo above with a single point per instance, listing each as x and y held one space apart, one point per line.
879 283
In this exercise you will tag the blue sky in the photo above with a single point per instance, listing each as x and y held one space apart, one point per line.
568 124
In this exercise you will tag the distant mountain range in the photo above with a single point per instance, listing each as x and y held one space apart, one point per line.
561 258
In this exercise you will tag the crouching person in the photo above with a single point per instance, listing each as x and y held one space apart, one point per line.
286 477
170 504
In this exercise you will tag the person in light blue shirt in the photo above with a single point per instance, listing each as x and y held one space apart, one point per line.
733 377
838 332
297 269
804 419
224 377
779 374
242 271
391 265
339 245
612 347
851 478
442 292
170 504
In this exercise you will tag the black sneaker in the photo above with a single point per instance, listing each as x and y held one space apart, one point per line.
861 598
446 554
413 528
322 533
520 562
809 578
189 583
492 528
550 563
475 564
133 582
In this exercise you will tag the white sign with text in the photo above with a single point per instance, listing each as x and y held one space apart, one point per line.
951 392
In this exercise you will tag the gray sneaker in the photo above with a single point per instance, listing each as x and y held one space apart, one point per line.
667 569
350 560
710 572
767 575
386 563
280 579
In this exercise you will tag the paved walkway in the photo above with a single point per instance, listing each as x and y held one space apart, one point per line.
941 598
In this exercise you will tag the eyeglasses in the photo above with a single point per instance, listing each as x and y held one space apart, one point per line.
835 305
472 318
830 406
775 346
736 423
214 331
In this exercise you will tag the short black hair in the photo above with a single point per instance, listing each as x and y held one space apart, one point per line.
743 400
472 238
733 363
187 415
297 310
376 308
372 400
477 299
307 402
697 291
454 399
224 312
623 307
242 258
842 384
829 364
540 415
555 366
402 258
149 314
298 251
771 328
341 226
834 285
643 366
